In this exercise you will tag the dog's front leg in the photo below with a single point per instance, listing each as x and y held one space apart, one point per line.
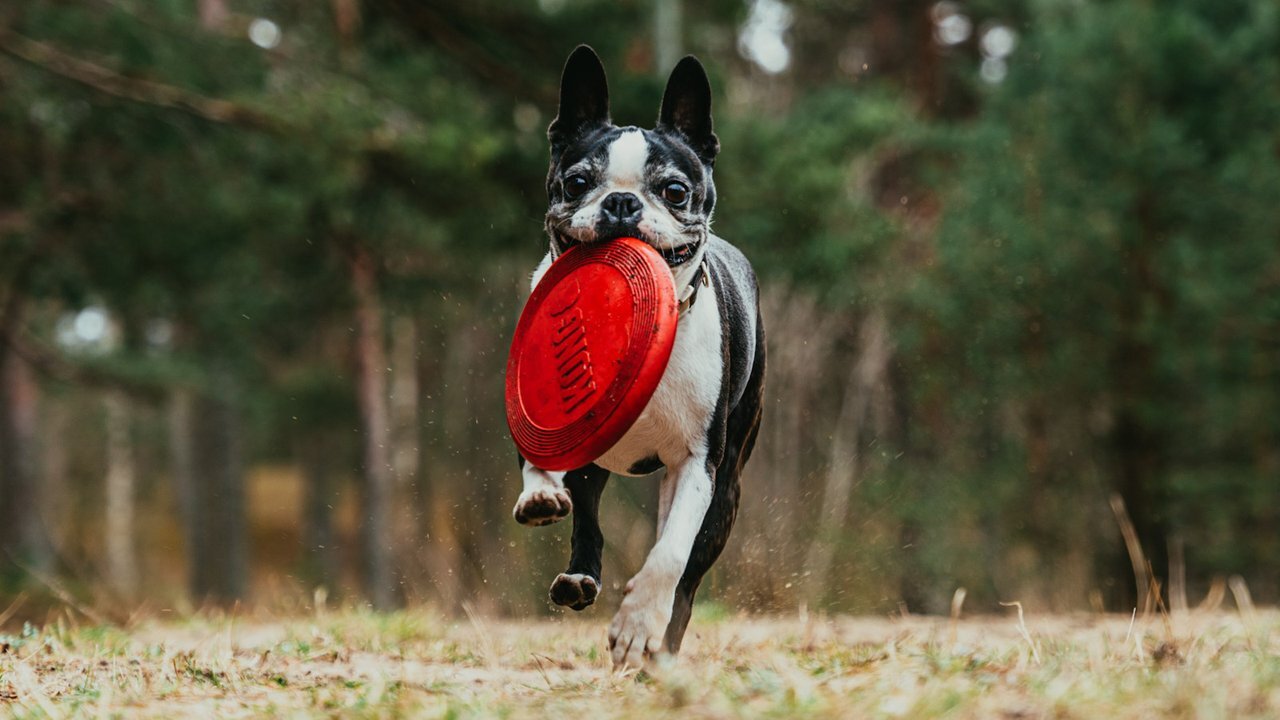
638 629
578 586
544 499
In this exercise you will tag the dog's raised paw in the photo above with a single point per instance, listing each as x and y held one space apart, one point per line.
542 506
575 592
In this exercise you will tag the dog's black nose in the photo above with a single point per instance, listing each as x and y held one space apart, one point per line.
621 208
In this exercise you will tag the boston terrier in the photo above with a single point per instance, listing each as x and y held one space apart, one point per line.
607 182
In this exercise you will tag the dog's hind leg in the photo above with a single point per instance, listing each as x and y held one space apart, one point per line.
739 438
578 586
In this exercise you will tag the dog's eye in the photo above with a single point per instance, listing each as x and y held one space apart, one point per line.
575 185
676 194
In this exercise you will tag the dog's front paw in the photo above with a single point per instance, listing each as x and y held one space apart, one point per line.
636 633
576 591
542 506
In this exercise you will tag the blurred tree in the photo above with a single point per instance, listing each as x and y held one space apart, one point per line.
24 538
992 302
1104 261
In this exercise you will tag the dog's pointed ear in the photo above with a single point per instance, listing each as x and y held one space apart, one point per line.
686 108
584 99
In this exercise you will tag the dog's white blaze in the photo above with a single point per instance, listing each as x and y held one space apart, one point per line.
627 156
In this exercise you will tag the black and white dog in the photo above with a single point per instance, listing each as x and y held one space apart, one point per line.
607 182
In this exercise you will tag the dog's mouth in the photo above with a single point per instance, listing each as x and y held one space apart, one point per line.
674 256
679 255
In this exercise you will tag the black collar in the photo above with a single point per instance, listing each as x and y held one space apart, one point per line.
700 278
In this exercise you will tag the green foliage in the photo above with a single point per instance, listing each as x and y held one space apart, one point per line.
1080 276
793 190
1109 249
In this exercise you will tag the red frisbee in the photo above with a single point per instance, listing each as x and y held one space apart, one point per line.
588 352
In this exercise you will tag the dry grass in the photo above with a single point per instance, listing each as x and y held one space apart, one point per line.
418 664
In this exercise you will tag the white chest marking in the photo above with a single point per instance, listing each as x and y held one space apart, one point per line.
539 271
675 422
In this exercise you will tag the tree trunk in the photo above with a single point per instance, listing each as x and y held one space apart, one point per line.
321 561
667 35
406 453
1137 441
441 558
404 401
868 372
219 465
346 21
903 49
1043 528
120 544
208 475
57 494
185 491
371 398
213 14
23 538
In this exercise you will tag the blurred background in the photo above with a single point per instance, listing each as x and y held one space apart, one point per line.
260 263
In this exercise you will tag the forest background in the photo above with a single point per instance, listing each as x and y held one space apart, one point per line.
260 263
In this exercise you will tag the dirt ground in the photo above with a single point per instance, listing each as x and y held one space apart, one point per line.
417 664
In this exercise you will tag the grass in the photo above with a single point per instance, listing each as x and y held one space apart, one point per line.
358 664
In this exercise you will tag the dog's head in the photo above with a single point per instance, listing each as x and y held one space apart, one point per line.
607 181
